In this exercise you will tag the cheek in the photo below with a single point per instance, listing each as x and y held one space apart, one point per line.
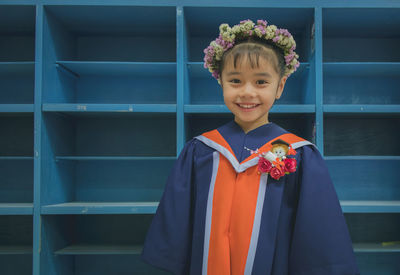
228 95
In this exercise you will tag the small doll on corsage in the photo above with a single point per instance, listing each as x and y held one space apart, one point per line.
278 161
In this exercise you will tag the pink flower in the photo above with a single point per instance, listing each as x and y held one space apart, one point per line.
276 172
264 165
290 164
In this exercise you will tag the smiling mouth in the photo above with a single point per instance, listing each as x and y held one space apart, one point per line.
247 106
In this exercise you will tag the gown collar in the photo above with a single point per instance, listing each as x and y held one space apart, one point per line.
237 139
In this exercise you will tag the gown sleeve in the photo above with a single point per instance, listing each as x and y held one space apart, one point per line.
168 241
321 243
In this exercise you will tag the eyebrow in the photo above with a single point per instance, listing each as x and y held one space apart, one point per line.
257 74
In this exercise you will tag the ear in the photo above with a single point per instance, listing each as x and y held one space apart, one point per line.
281 85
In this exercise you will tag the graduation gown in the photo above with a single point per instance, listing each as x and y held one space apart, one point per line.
218 216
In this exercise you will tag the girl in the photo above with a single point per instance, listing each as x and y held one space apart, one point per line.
250 197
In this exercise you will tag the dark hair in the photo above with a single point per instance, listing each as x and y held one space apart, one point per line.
255 48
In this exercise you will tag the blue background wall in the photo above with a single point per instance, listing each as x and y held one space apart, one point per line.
97 99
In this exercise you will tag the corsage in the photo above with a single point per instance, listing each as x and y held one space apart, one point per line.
278 161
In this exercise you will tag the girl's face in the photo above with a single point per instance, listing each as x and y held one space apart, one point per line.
250 93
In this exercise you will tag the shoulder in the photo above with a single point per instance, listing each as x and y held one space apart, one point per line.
195 147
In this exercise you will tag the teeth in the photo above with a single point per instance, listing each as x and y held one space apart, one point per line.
248 106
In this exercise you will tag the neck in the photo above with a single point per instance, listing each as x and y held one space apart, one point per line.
247 127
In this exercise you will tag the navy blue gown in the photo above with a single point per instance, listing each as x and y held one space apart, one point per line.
301 228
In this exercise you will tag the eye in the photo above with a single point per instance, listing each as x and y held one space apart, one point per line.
261 82
235 80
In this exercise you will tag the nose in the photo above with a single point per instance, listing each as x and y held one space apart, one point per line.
247 90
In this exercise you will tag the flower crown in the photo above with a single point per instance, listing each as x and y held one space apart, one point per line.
229 36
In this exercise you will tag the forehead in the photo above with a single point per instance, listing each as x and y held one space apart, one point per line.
243 63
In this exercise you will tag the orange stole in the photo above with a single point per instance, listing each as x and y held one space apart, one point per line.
234 205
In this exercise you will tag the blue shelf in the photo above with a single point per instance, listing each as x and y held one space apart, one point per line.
17 68
361 109
101 208
110 158
373 69
370 206
100 108
15 249
16 108
88 249
109 68
16 208
384 247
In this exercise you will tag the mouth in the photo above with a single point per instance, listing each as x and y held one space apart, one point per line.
247 107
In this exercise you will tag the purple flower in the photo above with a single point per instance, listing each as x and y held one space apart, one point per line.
262 22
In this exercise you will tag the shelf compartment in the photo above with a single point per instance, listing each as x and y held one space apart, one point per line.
112 82
201 32
203 89
113 57
16 184
101 208
361 34
361 134
16 137
16 239
17 82
368 83
376 240
123 85
371 180
17 29
16 158
110 33
17 55
107 159
15 235
95 244
299 124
